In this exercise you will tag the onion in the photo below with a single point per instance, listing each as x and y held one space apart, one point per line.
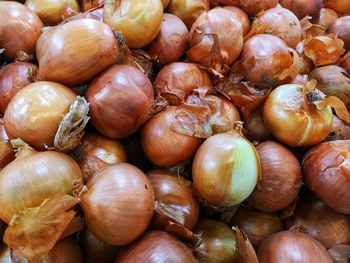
91 4
341 28
326 170
288 246
268 62
178 80
242 17
171 42
164 147
217 242
281 178
139 59
255 129
139 22
7 153
303 8
188 11
46 114
54 11
175 201
96 14
220 175
118 204
216 39
340 130
256 224
156 246
73 53
340 6
306 64
97 151
253 7
326 18
19 29
14 77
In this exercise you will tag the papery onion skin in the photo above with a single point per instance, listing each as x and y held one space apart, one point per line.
14 77
73 53
340 6
341 28
154 247
175 193
19 29
306 64
326 172
302 8
218 242
35 112
241 17
292 247
172 40
326 18
281 178
7 153
118 205
178 80
300 79
188 10
121 100
139 22
164 147
52 12
91 4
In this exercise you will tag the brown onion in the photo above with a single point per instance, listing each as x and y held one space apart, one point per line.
172 40
7 153
255 129
303 8
121 100
326 18
175 201
97 151
91 4
253 7
164 147
188 11
13 77
75 52
178 80
216 39
289 246
118 204
341 28
340 6
241 16
326 171
20 29
340 130
154 247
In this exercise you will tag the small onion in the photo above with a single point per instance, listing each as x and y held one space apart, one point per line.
138 21
341 28
154 247
255 129
73 53
175 201
326 171
288 246
20 29
164 147
118 204
303 8
281 178
241 16
172 40
14 77
340 6
326 18
7 153
121 100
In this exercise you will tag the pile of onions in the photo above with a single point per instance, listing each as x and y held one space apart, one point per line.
20 29
172 40
326 18
289 246
241 16
281 177
156 246
341 28
121 100
340 6
97 151
175 201
91 43
7 153
326 170
139 22
118 204
302 8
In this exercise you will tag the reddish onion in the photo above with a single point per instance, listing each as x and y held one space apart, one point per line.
341 28
175 201
178 80
118 204
326 18
13 77
326 171
156 246
303 8
7 153
241 16
164 147
340 6
172 40
121 100
289 246
20 29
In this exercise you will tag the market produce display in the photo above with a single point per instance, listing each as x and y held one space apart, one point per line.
165 131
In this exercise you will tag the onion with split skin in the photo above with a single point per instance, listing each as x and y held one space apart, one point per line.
341 28
303 8
340 6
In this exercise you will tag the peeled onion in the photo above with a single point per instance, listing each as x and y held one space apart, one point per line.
340 6
303 8
341 28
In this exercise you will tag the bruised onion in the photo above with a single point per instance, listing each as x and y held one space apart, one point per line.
326 171
14 77
241 16
326 18
20 29
156 246
73 53
303 8
341 28
118 204
340 6
165 147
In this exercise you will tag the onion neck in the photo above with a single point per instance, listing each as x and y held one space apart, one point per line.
22 149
